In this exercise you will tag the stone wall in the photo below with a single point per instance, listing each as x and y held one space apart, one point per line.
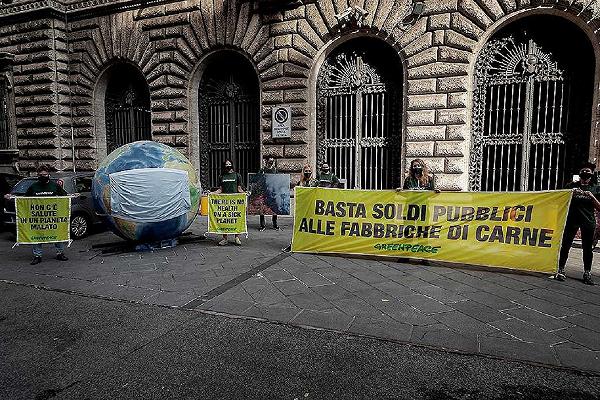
60 61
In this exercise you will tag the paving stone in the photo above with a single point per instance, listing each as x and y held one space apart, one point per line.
355 306
404 313
276 275
453 286
535 318
323 319
393 289
269 296
478 311
228 306
464 324
440 294
310 301
554 297
171 299
490 300
526 332
424 304
585 321
369 276
515 349
273 313
544 307
582 336
291 287
447 339
384 328
570 355
331 292
590 309
312 279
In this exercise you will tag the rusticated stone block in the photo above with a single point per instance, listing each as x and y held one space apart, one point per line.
465 26
473 11
451 182
438 69
493 8
285 83
427 56
282 28
460 41
295 71
434 164
421 86
425 133
453 84
419 149
271 150
449 149
308 33
421 43
275 97
427 101
283 41
456 165
440 21
458 100
454 55
286 165
295 150
440 6
457 132
426 117
453 116
295 96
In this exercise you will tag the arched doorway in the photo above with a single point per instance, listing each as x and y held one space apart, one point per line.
533 98
126 106
359 105
229 116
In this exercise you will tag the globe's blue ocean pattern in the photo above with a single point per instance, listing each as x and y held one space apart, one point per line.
144 154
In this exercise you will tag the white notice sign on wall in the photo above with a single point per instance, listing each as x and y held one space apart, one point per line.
282 122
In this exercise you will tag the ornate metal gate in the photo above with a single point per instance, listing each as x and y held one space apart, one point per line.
127 111
357 120
229 121
520 119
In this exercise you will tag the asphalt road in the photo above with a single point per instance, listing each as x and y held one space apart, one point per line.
55 345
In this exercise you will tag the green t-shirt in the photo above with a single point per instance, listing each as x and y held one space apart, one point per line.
582 208
229 182
328 180
45 189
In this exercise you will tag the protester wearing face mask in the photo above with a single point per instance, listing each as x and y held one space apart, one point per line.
230 182
269 168
581 216
307 179
326 178
418 177
45 187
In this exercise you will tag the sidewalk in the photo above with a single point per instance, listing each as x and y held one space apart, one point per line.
499 313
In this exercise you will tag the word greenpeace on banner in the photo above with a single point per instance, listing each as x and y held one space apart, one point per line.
227 213
43 219
512 230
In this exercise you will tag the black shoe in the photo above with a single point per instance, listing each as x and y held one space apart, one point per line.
560 275
587 278
36 260
287 249
262 228
61 257
277 228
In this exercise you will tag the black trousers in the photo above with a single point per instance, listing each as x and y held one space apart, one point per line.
587 242
273 218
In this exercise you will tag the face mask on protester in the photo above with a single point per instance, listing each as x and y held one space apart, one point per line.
307 174
585 174
44 178
417 169
325 168
228 167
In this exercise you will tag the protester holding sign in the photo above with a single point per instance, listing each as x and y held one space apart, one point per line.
46 188
326 178
230 182
269 168
581 216
418 177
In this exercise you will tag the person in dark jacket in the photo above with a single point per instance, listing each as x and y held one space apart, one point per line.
230 182
269 168
581 217
45 187
326 178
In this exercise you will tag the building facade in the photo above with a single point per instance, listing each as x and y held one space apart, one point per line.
493 94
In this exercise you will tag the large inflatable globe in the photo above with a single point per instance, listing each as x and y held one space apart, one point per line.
138 155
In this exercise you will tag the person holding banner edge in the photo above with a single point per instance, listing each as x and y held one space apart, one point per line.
45 187
230 182
269 168
581 216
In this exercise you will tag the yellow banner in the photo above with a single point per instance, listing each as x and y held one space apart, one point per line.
43 219
509 230
227 213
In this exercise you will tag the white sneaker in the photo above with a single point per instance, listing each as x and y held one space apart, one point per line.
238 241
223 242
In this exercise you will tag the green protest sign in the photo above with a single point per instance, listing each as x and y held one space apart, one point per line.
227 213
43 219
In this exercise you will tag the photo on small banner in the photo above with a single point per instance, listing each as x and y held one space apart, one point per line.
269 194
227 213
43 219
